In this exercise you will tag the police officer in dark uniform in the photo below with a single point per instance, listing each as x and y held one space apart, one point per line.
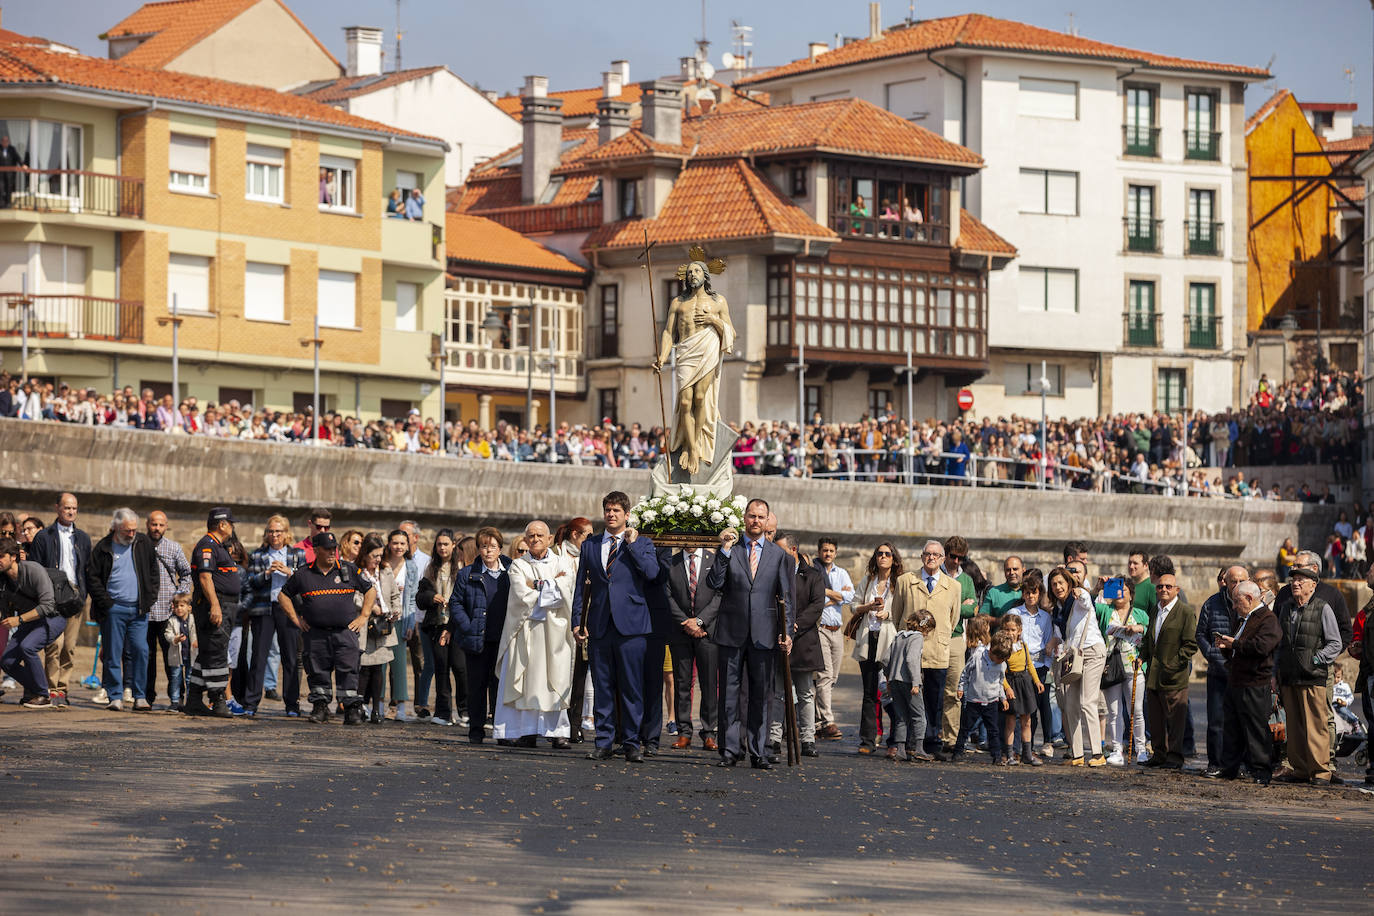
215 607
335 603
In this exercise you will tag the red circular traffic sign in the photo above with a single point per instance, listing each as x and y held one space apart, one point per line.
965 399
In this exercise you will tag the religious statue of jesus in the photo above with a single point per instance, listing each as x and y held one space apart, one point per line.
697 333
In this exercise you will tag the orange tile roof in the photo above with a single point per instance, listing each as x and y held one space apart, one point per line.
714 200
1356 144
975 31
977 238
473 238
21 64
577 103
349 87
176 25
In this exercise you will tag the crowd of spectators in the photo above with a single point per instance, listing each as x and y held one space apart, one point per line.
1300 423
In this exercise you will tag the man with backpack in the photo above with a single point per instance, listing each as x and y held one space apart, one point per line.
63 546
27 607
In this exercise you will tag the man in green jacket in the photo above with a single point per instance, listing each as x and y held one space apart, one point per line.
1001 598
1167 650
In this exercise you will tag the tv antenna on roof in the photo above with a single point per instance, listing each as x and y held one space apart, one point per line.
742 38
398 36
703 42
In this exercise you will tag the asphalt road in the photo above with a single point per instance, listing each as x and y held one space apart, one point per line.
122 812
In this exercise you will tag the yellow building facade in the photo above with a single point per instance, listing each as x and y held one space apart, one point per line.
254 211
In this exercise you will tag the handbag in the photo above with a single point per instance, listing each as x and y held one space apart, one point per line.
1071 662
379 626
1115 671
851 628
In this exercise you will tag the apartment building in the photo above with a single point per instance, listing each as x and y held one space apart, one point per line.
826 269
253 212
1118 174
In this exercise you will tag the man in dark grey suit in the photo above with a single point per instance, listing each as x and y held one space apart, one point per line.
752 578
690 601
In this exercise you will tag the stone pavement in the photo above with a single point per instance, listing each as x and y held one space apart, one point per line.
121 812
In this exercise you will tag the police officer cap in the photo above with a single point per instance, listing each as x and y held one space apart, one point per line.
217 515
324 540
1300 573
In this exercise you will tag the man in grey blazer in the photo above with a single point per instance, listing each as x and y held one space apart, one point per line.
751 579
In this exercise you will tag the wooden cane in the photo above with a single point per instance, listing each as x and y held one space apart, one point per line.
789 711
1130 713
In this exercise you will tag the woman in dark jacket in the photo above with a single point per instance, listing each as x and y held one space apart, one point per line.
431 601
477 614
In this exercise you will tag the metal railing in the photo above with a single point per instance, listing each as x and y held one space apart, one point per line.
1203 237
923 468
1142 234
73 317
1202 332
1202 144
71 191
1142 328
895 230
1139 140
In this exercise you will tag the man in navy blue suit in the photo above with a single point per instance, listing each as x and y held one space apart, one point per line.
751 578
614 573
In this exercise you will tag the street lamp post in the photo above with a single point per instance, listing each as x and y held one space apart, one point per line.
175 320
494 327
553 373
440 352
315 401
1044 420
800 368
26 305
909 370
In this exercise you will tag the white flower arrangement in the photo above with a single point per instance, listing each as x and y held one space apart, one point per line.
683 511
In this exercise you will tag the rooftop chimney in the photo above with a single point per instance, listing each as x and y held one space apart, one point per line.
817 48
542 122
612 84
875 22
612 119
624 67
661 110
687 67
364 50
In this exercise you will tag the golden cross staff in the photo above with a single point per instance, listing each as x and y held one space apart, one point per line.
648 258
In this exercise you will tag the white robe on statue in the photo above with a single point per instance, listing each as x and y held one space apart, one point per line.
536 652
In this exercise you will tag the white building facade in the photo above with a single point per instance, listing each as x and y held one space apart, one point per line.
1118 175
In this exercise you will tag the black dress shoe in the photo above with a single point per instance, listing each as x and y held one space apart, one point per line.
774 758
1171 765
650 750
760 763
809 750
1154 762
1262 780
526 741
634 755
600 753
272 694
560 744
942 756
726 760
576 736
1214 773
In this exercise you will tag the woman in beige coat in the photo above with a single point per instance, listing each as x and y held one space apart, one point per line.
377 647
874 633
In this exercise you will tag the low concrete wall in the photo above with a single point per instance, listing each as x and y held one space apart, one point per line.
184 475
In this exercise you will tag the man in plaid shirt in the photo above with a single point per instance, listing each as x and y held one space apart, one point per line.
174 578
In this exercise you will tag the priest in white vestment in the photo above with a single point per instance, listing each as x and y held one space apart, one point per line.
536 654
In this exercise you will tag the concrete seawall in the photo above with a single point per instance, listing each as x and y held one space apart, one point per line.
184 475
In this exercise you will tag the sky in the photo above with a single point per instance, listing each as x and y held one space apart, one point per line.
494 44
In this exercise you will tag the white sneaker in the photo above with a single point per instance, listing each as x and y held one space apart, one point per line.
1116 760
1047 751
8 683
128 694
438 721
115 706
1142 757
401 715
461 721
101 698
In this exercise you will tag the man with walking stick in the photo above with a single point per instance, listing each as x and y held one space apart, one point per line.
751 578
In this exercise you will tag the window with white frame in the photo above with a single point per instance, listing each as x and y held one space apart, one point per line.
338 181
188 281
264 292
188 163
266 169
1047 289
337 299
1050 192
1041 98
407 302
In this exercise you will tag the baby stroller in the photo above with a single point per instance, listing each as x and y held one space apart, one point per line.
1352 739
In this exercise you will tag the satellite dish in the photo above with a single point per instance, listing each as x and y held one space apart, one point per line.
705 70
727 60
